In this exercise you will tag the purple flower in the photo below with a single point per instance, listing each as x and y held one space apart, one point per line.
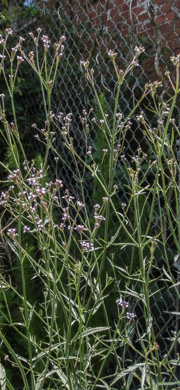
59 183
87 246
15 175
130 315
121 303
26 229
12 233
80 228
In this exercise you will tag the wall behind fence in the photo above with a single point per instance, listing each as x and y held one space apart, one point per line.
152 17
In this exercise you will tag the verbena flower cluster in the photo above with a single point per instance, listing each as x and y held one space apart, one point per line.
125 305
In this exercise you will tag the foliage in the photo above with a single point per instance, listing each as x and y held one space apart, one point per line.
73 289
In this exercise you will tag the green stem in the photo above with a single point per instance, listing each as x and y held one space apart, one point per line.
22 259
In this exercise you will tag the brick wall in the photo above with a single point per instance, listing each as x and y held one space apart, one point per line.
143 17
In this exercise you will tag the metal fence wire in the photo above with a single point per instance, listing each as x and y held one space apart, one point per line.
91 29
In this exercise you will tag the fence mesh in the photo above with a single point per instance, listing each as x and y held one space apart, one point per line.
91 29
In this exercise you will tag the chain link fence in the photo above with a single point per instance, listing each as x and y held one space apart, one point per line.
91 29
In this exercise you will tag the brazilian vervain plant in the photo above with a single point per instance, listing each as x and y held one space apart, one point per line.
79 329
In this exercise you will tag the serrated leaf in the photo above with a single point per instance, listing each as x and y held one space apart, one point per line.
105 385
125 372
13 248
2 377
89 331
143 369
99 303
129 380
31 314
56 370
167 275
155 386
167 383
